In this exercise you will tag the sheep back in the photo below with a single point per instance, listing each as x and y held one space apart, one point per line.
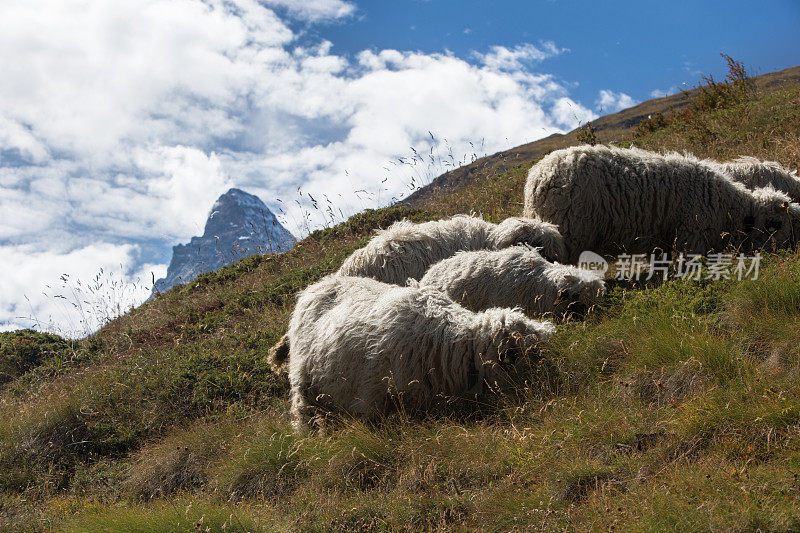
358 346
405 250
514 277
754 174
612 200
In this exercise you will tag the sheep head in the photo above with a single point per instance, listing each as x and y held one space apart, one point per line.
532 232
578 289
775 219
514 344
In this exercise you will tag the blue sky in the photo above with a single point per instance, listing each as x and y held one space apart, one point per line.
632 47
122 122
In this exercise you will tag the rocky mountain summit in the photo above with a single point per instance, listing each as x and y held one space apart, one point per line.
239 225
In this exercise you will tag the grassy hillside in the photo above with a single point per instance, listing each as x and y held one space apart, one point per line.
674 406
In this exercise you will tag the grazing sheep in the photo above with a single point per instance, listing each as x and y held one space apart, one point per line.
611 200
406 250
753 174
356 345
515 277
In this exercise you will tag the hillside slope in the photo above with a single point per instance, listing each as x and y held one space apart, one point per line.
675 406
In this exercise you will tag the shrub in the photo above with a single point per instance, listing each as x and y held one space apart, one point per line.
737 87
23 350
586 134
652 123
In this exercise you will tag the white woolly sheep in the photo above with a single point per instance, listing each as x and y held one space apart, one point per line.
754 174
357 345
611 200
515 277
405 250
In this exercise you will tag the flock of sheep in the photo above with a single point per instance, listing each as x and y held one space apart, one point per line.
448 308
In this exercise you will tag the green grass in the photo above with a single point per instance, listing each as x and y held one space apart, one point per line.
674 406
23 351
181 515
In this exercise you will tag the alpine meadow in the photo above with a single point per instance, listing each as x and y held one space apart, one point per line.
672 405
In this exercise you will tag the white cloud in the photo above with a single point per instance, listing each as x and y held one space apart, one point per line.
186 178
16 137
571 114
72 293
126 73
660 93
611 102
502 58
121 123
315 10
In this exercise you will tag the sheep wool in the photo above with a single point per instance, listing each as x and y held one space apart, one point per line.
358 346
753 174
612 200
406 250
515 277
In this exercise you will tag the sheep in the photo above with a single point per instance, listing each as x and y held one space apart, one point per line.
611 200
515 277
406 250
753 174
356 345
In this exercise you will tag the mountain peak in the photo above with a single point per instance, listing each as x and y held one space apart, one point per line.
239 196
238 209
239 225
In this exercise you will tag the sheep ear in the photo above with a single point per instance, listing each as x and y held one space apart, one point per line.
570 278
